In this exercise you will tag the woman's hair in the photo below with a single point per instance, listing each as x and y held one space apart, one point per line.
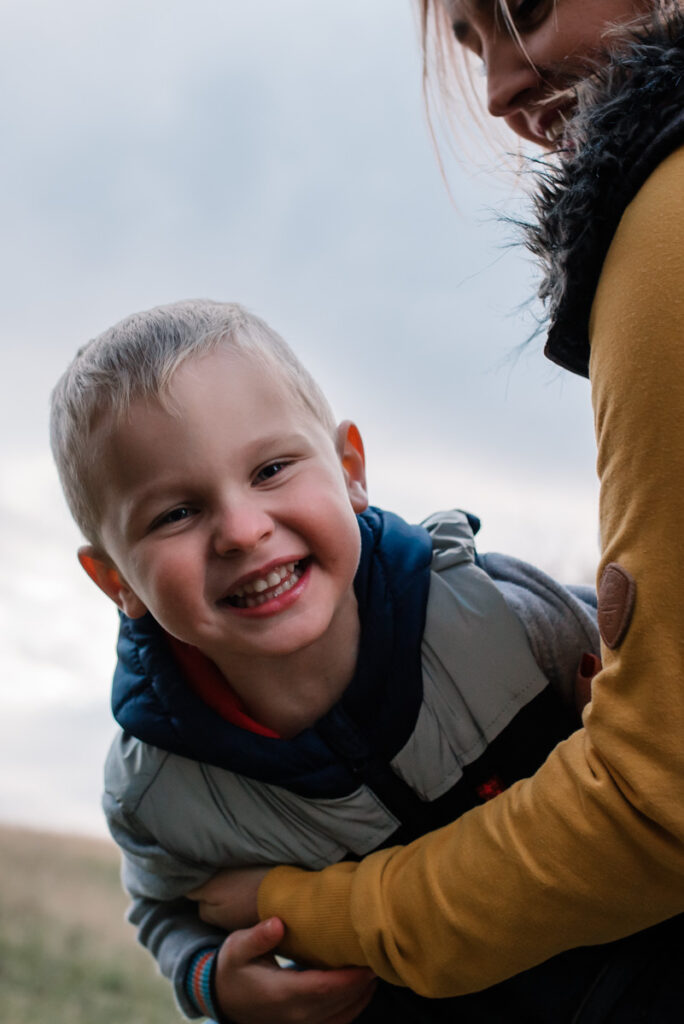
448 69
136 359
451 74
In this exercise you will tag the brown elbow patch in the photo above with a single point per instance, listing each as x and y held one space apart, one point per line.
616 595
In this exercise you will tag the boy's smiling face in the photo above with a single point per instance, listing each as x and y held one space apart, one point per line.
231 514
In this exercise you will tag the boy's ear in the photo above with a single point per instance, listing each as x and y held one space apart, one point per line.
107 578
350 450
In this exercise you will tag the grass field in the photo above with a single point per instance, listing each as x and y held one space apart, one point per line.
66 954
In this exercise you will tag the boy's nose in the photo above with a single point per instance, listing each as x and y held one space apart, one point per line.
241 528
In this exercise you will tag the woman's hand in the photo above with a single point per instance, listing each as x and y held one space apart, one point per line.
229 899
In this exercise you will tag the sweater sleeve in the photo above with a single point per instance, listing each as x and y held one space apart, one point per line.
167 924
592 847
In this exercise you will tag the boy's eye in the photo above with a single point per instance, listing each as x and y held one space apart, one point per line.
176 515
269 471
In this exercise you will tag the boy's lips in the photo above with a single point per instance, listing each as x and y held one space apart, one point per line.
266 584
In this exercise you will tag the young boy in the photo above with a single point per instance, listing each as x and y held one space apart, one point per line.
301 678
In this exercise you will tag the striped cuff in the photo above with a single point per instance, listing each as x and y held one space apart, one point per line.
198 982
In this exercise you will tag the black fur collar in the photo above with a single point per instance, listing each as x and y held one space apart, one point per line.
630 116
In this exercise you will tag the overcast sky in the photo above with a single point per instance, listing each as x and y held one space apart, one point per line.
275 154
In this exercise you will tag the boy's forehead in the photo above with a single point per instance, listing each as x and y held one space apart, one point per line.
203 385
256 371
252 367
191 375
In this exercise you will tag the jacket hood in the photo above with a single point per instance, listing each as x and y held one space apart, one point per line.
630 116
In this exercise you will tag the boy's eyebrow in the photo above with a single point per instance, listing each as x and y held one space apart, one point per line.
274 440
134 508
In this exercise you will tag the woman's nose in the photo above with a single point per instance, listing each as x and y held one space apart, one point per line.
241 527
512 79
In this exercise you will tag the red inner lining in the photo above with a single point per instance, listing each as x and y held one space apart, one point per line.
213 688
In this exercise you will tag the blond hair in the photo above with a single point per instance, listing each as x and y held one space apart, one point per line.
136 359
448 73
447 68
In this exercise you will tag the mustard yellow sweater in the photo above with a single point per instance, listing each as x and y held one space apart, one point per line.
592 847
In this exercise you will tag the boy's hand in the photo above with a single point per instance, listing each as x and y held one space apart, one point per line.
229 899
252 989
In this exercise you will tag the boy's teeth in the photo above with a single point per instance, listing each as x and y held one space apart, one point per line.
283 578
257 599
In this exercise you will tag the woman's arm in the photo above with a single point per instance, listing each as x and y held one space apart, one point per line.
592 847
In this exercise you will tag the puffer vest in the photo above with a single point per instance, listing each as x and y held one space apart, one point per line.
416 741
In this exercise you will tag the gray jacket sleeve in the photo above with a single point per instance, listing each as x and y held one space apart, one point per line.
560 621
167 924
